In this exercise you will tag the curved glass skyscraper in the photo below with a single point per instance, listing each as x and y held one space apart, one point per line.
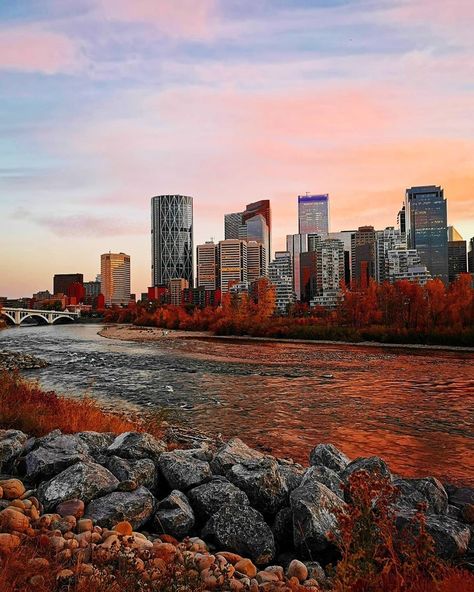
171 238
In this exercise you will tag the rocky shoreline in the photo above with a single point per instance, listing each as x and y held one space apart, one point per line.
10 360
246 518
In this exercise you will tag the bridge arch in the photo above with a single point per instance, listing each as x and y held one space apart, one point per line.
62 319
42 319
7 315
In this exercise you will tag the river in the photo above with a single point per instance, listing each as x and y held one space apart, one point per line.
412 407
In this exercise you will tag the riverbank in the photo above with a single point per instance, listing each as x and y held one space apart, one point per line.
150 334
19 361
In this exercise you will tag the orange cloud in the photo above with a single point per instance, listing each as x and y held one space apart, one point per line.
31 49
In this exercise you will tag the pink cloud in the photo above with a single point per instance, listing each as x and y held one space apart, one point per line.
31 49
191 18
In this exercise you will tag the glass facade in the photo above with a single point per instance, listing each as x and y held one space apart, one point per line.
171 239
313 214
427 229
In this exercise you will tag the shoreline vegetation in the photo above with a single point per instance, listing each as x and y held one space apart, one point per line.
91 502
401 313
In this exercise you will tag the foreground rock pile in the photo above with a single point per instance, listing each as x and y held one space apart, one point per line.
247 519
18 361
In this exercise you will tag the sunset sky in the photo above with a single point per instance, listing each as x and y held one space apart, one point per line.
105 103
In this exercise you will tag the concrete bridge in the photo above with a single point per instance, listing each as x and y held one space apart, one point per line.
44 317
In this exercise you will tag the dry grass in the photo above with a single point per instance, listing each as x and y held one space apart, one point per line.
25 406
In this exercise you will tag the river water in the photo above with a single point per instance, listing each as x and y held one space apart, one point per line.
414 408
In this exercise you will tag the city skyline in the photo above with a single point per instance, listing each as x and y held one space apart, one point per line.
104 107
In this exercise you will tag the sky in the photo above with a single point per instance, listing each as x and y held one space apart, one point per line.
105 103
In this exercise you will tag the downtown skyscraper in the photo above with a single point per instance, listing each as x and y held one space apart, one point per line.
427 228
171 239
313 214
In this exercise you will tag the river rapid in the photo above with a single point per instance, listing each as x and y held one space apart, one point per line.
415 408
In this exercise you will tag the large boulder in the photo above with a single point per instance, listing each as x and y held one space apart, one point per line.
242 530
208 498
182 470
451 538
374 465
136 445
12 443
84 481
327 455
55 453
97 442
141 472
291 472
174 516
428 490
135 507
232 452
461 496
326 476
314 520
263 483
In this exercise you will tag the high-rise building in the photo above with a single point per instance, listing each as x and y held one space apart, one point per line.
171 239
62 281
346 237
426 226
232 263
457 254
404 264
177 287
295 245
322 272
470 256
363 256
207 266
313 214
389 239
281 275
256 261
401 221
115 278
232 224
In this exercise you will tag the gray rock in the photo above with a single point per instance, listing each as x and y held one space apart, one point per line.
182 470
326 476
427 490
242 530
232 452
451 537
263 483
208 498
97 442
55 453
461 496
327 455
136 507
84 481
291 472
373 465
135 445
313 506
316 572
174 516
142 471
12 443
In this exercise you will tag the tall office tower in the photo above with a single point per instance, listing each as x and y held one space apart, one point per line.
176 287
115 278
346 237
257 219
256 261
313 214
457 254
295 245
404 264
62 281
171 239
470 256
281 275
322 272
232 224
232 263
363 256
401 221
207 266
426 225
389 239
